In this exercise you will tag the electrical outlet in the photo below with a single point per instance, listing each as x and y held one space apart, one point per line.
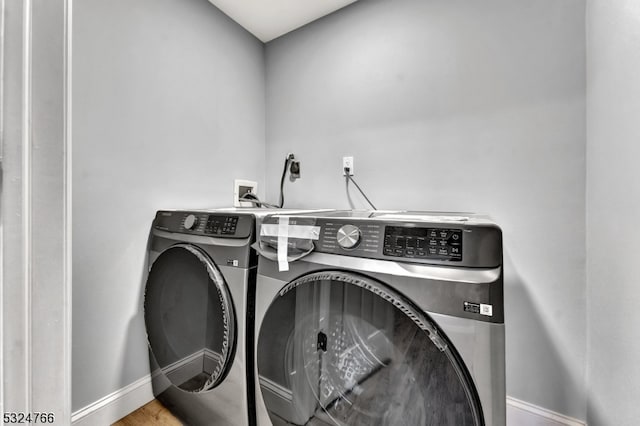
294 170
242 187
347 162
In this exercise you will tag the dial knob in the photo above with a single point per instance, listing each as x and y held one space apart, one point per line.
348 236
190 222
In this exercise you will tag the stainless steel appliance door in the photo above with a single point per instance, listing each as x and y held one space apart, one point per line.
340 348
190 320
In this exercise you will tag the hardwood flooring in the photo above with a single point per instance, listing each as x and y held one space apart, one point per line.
154 413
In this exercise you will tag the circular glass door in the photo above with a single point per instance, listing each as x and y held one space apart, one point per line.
338 348
189 318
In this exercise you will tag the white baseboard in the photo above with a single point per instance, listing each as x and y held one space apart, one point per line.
520 413
118 404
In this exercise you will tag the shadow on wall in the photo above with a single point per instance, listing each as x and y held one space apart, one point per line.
595 412
527 332
136 348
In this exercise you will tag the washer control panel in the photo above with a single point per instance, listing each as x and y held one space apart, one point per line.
222 225
406 242
355 239
410 238
348 236
406 237
425 243
432 243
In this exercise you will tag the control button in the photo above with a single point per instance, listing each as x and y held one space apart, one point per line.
443 252
455 239
454 250
421 253
410 252
443 243
433 242
348 236
190 222
389 253
411 243
432 233
433 251
399 252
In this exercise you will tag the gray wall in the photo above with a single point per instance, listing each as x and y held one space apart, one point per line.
456 105
168 110
613 209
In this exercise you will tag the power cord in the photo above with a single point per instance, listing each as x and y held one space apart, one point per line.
349 178
288 160
294 173
251 198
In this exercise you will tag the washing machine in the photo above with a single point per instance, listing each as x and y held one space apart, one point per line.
380 318
198 311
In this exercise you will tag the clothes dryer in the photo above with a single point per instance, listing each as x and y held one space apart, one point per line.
385 318
199 314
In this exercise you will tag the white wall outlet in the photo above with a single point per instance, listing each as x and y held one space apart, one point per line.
347 162
241 187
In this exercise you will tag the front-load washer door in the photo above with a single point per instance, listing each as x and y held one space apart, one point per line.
338 348
190 320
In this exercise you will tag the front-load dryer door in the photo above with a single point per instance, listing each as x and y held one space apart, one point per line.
190 319
338 348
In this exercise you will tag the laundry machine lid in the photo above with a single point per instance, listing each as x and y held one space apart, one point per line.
339 348
190 319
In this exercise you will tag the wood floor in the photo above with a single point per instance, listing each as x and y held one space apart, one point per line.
153 413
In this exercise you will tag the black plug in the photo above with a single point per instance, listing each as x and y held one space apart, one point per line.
294 170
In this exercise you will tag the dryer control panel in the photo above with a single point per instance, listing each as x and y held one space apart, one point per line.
221 225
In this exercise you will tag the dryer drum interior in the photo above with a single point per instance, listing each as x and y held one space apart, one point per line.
190 320
338 348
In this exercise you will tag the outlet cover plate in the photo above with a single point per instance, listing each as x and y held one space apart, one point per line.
241 187
348 162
